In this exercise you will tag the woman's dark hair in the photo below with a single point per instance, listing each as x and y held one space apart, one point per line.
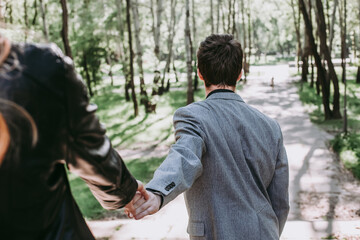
4 138
18 130
220 60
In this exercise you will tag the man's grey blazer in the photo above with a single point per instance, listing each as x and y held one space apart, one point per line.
230 160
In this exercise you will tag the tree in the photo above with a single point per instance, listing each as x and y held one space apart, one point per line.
132 85
190 91
64 30
332 25
43 16
245 64
171 31
323 45
122 49
193 47
139 54
211 16
325 89
296 18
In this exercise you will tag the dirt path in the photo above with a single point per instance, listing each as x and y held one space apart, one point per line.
324 200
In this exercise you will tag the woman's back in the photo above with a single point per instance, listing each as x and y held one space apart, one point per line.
36 202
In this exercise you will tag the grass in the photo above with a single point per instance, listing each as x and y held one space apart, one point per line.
346 145
126 131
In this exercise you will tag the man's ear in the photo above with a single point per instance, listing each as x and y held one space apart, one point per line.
199 74
239 76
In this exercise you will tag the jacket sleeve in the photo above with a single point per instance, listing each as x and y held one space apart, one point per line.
278 189
183 164
89 153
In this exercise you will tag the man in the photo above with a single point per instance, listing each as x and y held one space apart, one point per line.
228 158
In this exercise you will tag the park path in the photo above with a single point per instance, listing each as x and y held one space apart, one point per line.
324 199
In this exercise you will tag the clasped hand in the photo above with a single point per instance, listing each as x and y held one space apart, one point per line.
143 204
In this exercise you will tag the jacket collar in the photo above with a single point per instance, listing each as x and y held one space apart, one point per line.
225 95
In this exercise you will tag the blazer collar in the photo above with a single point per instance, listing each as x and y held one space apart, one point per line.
225 95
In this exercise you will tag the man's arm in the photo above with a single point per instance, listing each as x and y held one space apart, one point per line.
181 167
278 189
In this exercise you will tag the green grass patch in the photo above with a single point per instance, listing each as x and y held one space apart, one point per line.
346 145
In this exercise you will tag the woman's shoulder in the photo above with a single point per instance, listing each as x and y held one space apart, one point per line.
42 50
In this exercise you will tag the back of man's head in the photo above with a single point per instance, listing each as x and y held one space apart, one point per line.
220 60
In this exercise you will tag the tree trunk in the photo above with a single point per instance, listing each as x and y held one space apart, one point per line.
88 79
9 10
332 24
249 36
321 71
43 16
245 64
159 10
212 17
358 75
26 19
122 49
64 30
36 13
342 18
132 85
171 30
174 68
139 53
193 47
325 50
297 31
218 15
190 91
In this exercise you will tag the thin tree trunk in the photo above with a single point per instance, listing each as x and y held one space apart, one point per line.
321 71
190 91
343 60
297 31
132 85
9 10
26 19
36 13
342 18
88 79
325 50
234 30
139 52
332 24
64 30
245 64
171 30
211 16
122 49
174 68
193 50
218 15
43 16
159 9
249 35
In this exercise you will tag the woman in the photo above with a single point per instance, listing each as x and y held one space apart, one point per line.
46 122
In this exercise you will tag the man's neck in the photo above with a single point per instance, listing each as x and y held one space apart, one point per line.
215 87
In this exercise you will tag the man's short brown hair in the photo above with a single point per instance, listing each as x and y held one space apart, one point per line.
220 60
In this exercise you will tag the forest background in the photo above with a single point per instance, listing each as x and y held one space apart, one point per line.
138 60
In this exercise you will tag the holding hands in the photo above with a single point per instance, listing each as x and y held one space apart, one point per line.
143 204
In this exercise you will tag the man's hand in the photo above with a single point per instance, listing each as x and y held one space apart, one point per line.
144 207
140 193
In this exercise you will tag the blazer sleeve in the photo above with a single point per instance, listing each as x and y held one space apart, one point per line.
89 153
278 189
183 164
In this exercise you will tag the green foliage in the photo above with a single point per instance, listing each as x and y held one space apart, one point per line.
348 147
